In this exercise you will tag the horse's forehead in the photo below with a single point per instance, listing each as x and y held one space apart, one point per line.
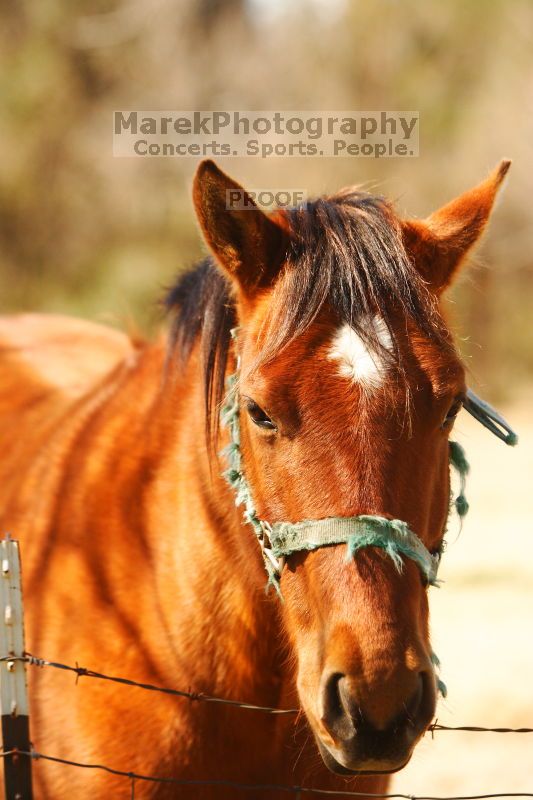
371 363
347 357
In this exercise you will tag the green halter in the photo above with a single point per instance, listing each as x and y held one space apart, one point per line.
280 539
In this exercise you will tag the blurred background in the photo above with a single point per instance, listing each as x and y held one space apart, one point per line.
84 233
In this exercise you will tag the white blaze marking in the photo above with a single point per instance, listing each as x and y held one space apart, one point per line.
357 361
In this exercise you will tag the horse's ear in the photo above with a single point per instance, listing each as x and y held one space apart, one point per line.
247 244
439 243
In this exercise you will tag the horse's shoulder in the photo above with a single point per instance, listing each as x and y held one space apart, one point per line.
60 352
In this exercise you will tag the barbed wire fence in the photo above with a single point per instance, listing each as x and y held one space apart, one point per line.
83 672
19 754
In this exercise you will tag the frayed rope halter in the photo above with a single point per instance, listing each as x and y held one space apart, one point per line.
280 539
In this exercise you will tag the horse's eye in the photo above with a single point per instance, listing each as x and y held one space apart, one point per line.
258 416
452 413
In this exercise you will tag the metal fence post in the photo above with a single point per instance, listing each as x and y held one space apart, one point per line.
13 688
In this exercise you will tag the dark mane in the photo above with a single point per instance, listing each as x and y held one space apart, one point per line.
346 251
202 304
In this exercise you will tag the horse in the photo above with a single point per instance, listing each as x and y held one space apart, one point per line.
136 559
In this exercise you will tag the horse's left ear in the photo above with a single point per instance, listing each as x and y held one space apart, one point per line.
248 245
439 243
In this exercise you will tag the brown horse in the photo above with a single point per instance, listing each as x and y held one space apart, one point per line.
136 559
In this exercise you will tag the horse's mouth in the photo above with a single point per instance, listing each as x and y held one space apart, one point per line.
339 769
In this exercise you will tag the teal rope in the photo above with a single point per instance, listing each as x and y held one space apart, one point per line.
393 536
365 530
458 460
441 686
235 474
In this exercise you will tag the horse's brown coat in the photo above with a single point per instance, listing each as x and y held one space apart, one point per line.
136 564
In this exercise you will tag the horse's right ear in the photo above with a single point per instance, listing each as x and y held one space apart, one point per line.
248 245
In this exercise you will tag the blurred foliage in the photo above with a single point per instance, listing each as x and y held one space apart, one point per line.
82 232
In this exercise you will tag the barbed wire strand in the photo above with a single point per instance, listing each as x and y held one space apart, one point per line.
476 729
134 776
83 672
198 696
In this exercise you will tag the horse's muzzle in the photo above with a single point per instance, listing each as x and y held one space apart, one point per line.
353 743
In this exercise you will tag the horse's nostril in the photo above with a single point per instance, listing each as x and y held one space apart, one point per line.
335 715
412 707
418 710
423 710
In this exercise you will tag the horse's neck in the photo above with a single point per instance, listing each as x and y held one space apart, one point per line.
209 576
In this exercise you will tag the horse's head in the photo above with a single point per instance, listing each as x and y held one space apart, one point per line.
349 387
